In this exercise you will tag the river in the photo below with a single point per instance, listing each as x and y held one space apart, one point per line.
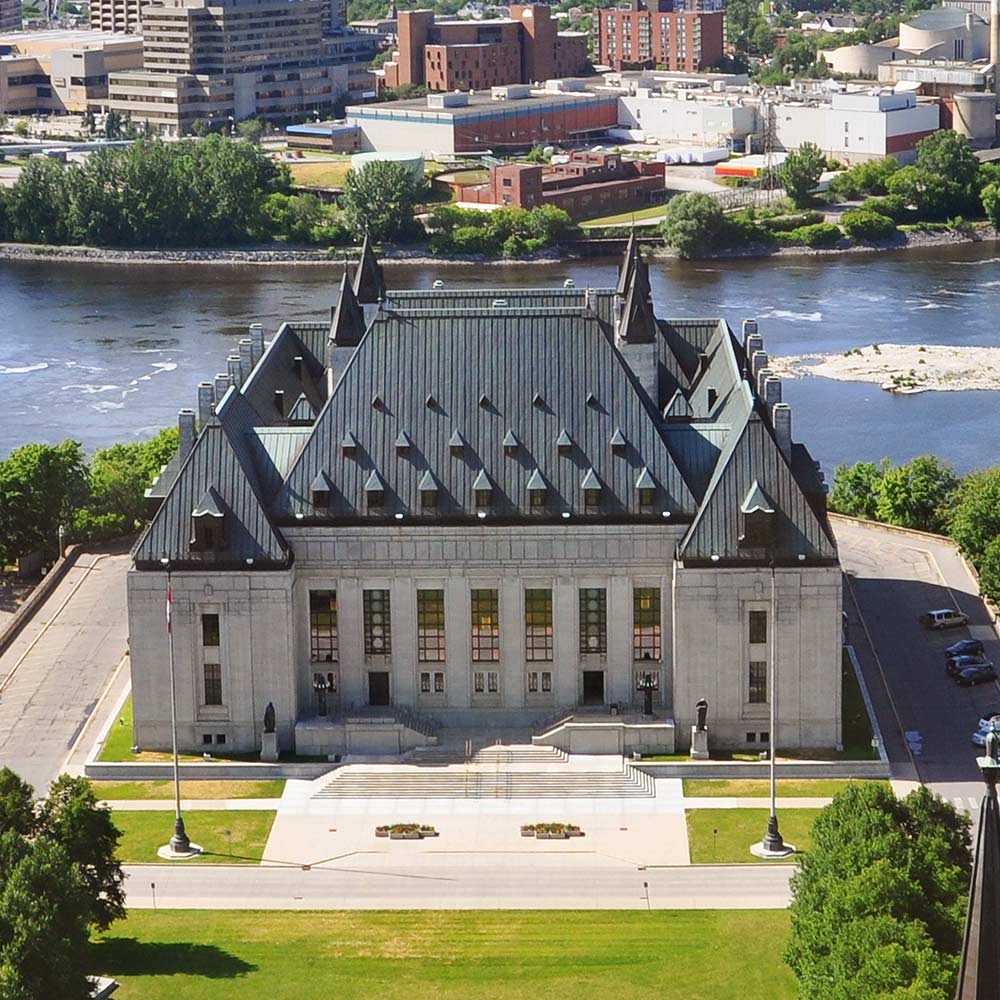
105 353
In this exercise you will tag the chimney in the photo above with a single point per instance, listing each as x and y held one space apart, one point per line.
297 366
279 401
222 384
752 341
758 360
772 390
781 418
749 330
206 399
256 342
995 44
763 374
246 359
185 427
235 372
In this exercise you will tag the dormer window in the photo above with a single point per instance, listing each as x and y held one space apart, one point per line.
349 443
537 491
279 402
375 491
456 443
618 442
208 522
428 490
320 490
564 443
591 487
758 514
510 443
482 489
646 487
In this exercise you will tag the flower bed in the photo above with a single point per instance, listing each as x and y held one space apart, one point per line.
406 831
551 831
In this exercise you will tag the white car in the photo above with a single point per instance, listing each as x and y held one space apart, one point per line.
944 618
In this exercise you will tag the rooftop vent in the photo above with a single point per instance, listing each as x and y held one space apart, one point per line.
510 443
349 443
403 442
456 443
618 442
564 442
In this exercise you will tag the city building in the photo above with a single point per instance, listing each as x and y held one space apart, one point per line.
587 186
660 34
448 55
479 507
229 60
355 51
10 15
57 71
828 24
123 16
503 120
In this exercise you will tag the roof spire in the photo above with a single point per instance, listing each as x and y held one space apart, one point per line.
369 282
628 263
347 324
638 323
980 970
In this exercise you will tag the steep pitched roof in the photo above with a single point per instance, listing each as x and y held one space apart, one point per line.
638 324
279 371
369 282
627 265
347 325
562 356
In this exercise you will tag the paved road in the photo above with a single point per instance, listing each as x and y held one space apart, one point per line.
467 882
926 720
53 675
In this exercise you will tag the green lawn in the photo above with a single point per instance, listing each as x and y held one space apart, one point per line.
738 829
118 745
143 833
116 790
447 955
857 728
327 173
624 218
810 788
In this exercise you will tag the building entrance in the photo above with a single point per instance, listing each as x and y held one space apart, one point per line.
378 687
593 687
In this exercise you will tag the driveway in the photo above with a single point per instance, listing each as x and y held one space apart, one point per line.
53 675
926 719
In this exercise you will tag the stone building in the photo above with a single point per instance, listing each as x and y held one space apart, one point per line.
479 508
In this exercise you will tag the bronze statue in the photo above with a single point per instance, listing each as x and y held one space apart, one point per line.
702 708
269 718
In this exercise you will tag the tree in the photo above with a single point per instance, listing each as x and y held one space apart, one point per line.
379 200
41 486
17 804
866 226
856 489
801 171
879 901
692 223
990 197
989 571
917 495
975 517
948 154
37 205
252 130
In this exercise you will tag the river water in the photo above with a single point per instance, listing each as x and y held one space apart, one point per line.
104 353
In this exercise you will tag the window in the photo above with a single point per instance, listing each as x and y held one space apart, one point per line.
537 624
479 682
213 684
647 497
438 682
593 620
758 627
758 529
646 639
378 638
546 681
429 678
430 626
536 499
758 682
220 739
492 681
210 630
640 679
485 625
486 682
323 626
751 737
206 738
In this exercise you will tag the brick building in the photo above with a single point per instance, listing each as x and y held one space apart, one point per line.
10 15
590 184
665 34
477 55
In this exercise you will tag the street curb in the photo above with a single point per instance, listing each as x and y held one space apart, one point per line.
866 697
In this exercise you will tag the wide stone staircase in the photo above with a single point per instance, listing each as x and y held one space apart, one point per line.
494 772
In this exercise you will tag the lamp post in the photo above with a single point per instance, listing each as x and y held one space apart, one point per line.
179 844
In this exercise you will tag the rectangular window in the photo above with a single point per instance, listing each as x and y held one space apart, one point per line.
593 620
546 680
425 683
492 681
533 681
323 626
485 625
758 682
430 626
479 682
213 684
438 682
537 624
758 627
378 635
210 630
646 637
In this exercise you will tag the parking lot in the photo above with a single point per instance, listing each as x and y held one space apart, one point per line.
926 719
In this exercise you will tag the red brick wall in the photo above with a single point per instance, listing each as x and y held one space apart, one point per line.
655 39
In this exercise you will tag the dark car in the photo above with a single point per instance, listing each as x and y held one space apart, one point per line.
965 647
956 664
971 676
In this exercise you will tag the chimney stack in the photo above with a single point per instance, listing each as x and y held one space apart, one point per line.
246 359
772 390
256 343
758 360
235 374
222 384
206 400
279 401
185 427
781 418
297 366
763 375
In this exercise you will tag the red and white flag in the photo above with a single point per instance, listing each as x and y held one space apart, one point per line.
170 601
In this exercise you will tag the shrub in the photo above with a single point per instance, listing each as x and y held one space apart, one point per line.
692 223
868 227
892 206
739 231
822 234
786 223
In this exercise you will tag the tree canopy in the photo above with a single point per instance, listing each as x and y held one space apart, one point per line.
801 171
379 200
692 223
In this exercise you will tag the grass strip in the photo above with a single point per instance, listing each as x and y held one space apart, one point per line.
226 837
724 836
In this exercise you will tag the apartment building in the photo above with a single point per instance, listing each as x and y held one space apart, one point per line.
10 15
229 61
660 34
447 55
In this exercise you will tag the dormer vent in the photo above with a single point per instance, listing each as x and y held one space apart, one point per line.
618 442
349 443
279 402
456 443
403 443
510 443
564 443
537 400
320 491
430 402
484 401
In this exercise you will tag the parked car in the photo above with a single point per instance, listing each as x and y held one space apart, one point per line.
944 618
954 665
965 647
981 674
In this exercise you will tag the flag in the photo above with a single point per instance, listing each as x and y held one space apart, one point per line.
170 601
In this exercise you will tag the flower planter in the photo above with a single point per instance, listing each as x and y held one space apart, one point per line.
381 833
574 833
551 836
527 831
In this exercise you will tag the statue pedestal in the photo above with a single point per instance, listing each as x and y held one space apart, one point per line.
269 747
699 743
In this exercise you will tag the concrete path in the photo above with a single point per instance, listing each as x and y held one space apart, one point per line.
191 805
460 882
55 672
